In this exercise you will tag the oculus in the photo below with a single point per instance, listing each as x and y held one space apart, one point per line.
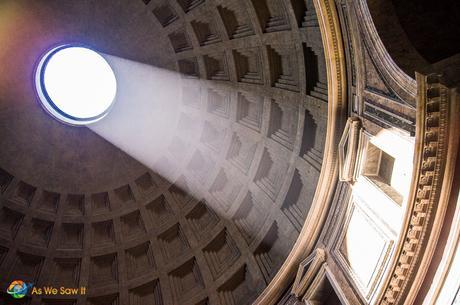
75 84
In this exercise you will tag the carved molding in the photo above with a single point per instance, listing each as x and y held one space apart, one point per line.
366 287
308 270
336 75
434 163
348 150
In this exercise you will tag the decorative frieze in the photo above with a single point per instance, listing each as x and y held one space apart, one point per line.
433 172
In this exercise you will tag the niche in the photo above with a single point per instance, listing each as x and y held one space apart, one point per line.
100 203
249 111
180 41
268 253
10 221
139 259
272 15
104 269
71 236
132 225
188 5
225 189
23 193
249 65
165 14
250 217
241 152
145 183
189 68
216 67
205 32
213 136
271 173
124 194
283 124
40 232
308 19
186 280
200 165
316 81
5 180
75 205
311 149
219 102
49 201
238 289
173 242
159 210
221 253
146 294
202 219
67 271
181 192
27 267
235 20
103 233
378 168
284 72
300 196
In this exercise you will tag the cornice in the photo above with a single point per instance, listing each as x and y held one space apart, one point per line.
434 165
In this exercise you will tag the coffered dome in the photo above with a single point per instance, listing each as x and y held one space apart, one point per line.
246 153
256 152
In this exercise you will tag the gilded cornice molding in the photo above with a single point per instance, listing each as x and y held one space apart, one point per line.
331 34
434 165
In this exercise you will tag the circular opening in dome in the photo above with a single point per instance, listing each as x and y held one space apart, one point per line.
75 84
